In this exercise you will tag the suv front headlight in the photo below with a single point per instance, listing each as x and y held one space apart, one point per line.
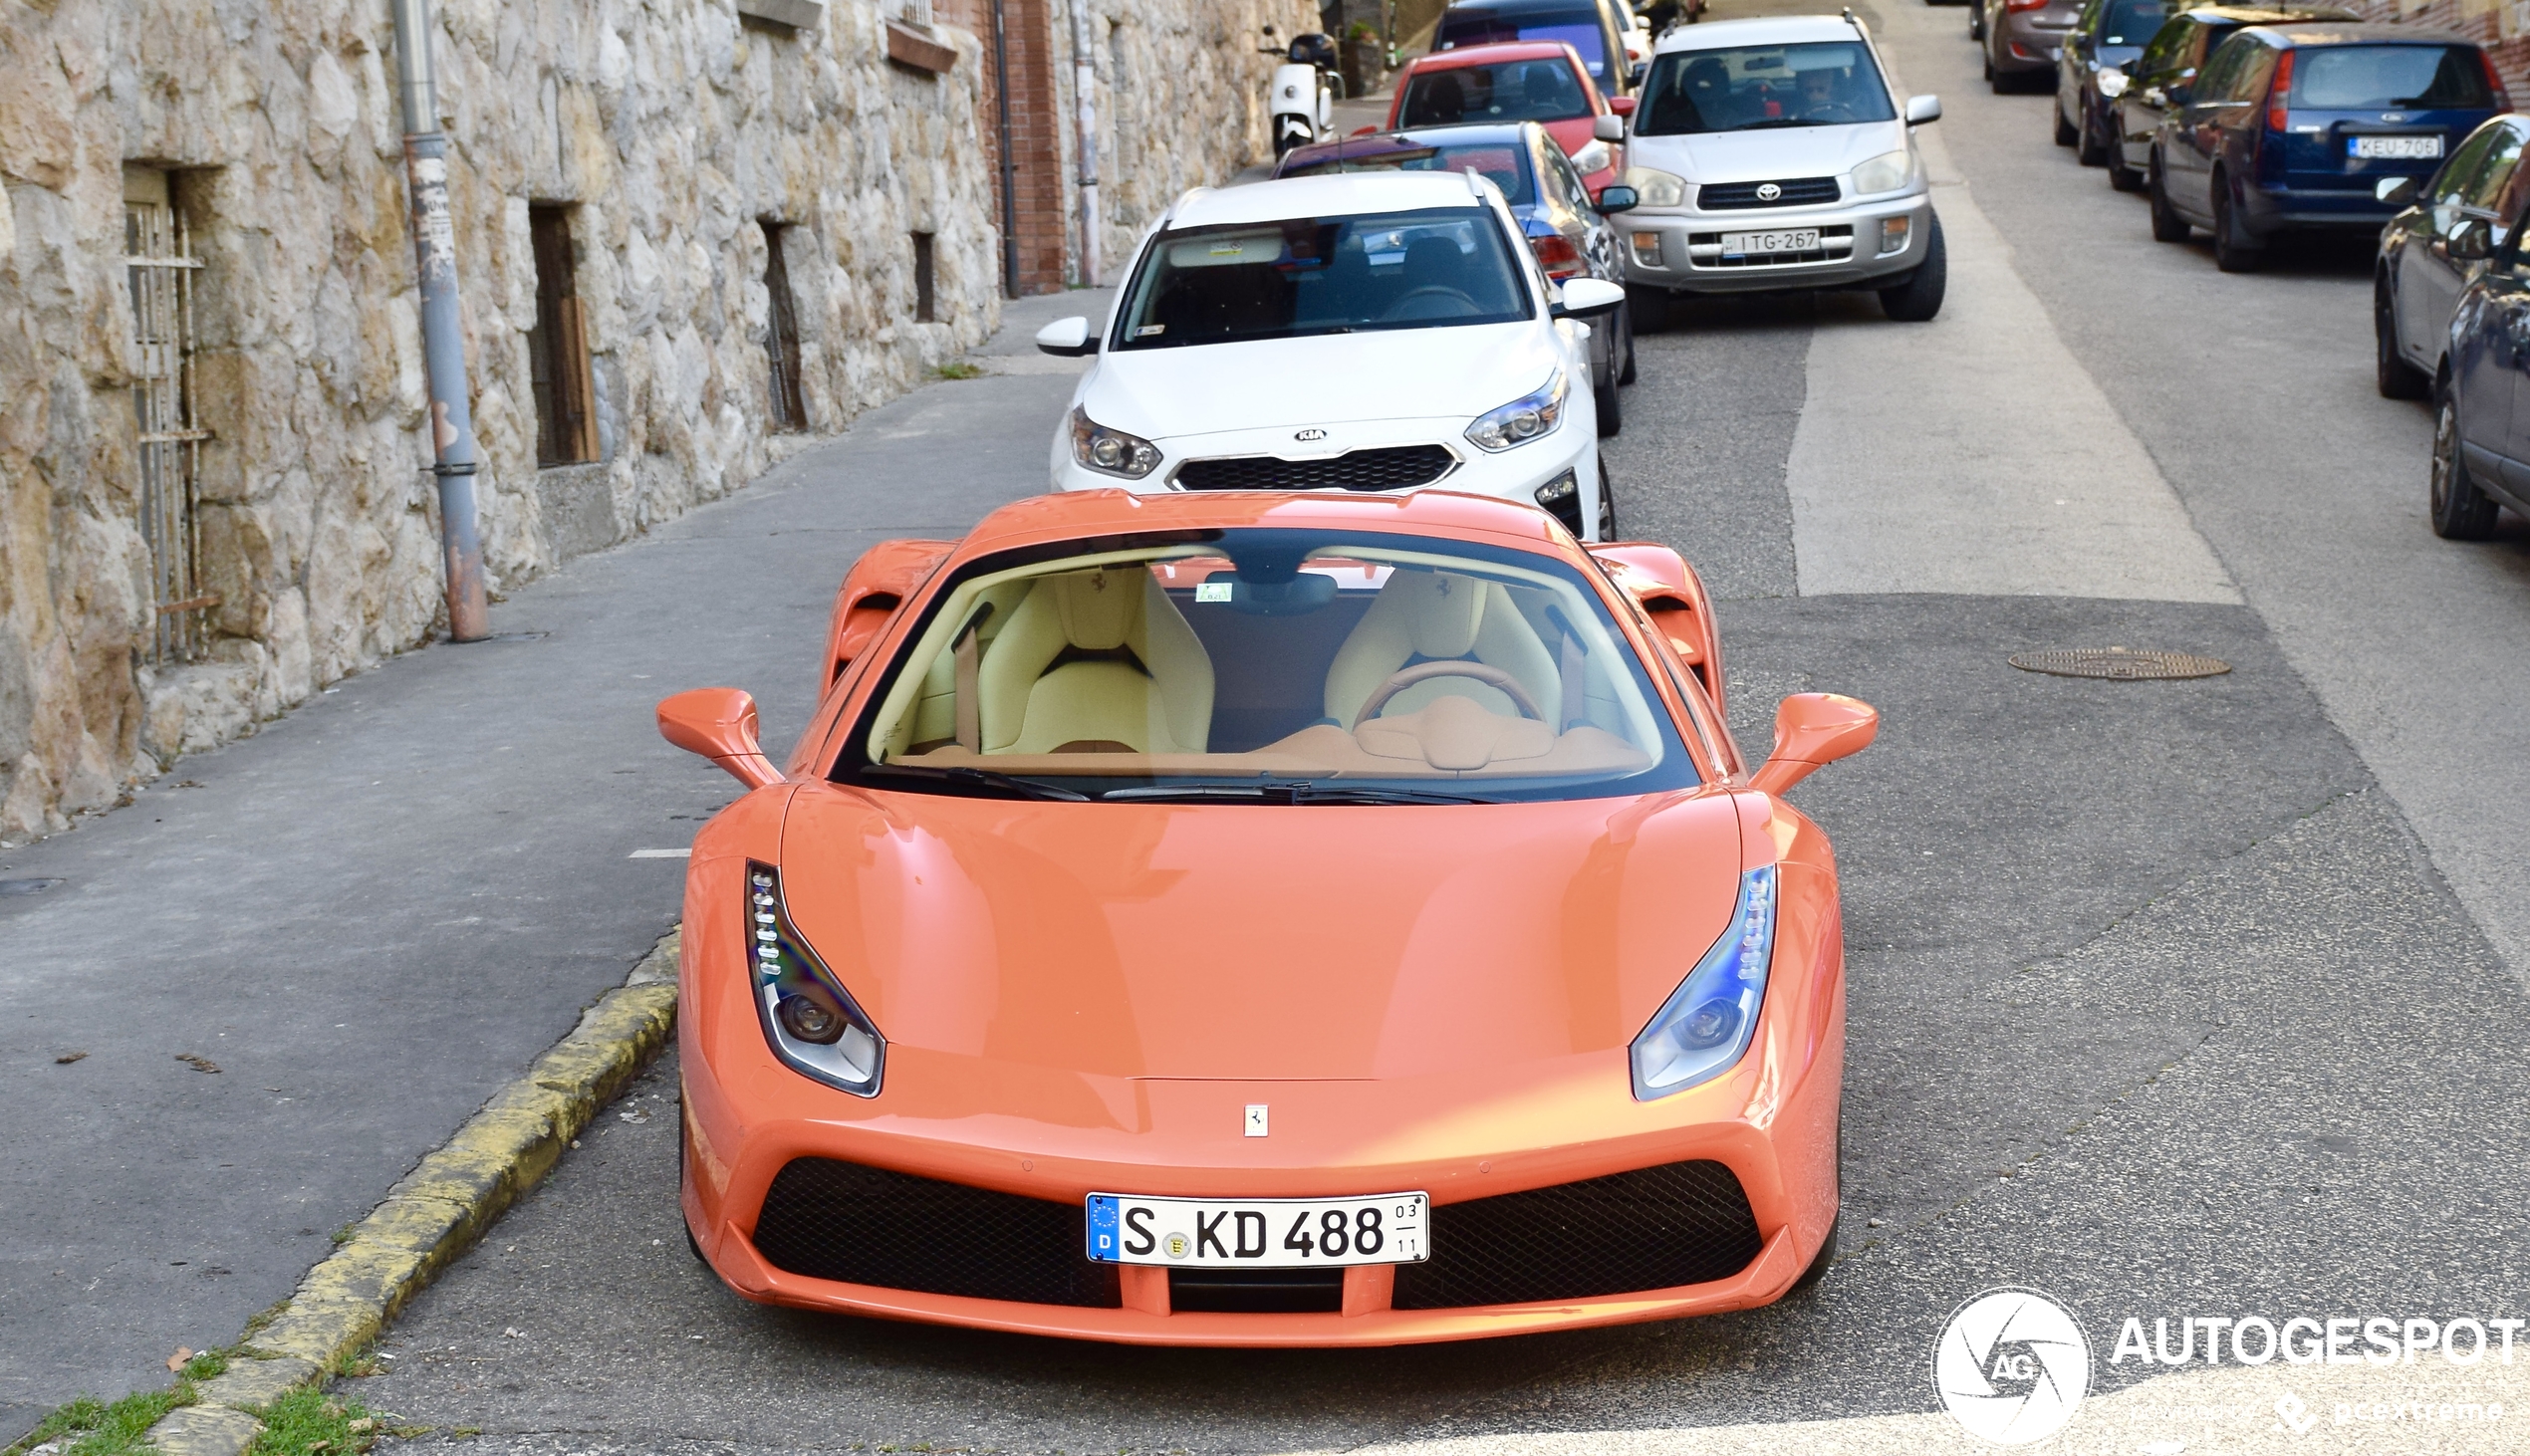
1523 419
1111 452
1657 188
1885 173
1703 1029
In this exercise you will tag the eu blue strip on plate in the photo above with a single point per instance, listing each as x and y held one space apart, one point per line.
1103 1226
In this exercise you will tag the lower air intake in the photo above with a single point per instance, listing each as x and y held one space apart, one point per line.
861 1225
1654 1228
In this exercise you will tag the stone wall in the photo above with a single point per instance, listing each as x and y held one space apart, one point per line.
671 129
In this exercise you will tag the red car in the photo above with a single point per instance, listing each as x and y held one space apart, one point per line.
1518 80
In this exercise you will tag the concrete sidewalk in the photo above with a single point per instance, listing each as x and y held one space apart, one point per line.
434 859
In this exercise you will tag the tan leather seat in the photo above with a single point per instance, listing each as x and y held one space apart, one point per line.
1440 616
1092 662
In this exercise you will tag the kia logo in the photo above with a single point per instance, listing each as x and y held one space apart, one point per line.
1768 192
1309 434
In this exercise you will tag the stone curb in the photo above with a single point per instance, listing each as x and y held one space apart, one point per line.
436 1213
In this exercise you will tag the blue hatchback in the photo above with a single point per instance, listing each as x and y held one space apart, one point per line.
2295 127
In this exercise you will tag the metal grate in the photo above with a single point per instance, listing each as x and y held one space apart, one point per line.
1654 1228
861 1225
1789 193
1257 1291
159 260
2120 663
1399 467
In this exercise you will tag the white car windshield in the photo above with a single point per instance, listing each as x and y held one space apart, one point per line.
1269 664
1750 88
1322 275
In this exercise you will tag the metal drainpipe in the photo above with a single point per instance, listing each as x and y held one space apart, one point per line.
1009 165
442 348
1085 85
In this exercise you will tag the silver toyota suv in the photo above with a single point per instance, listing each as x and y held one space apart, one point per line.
1771 155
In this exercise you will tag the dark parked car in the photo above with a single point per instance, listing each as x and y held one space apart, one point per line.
1570 235
2108 34
2481 418
1586 24
2020 39
2430 252
2294 127
2162 78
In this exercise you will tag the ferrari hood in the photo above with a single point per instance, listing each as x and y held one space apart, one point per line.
1257 941
1405 373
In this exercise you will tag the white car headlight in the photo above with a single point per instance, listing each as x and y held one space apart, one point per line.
1885 173
1111 452
1593 158
1655 188
1520 421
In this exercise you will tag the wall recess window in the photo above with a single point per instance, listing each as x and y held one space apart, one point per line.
782 332
558 347
925 299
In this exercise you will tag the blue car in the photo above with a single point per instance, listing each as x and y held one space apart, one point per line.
2482 400
2301 128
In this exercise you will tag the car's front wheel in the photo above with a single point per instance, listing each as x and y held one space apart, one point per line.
2167 225
2065 135
2460 510
2393 375
1920 298
2121 176
2091 145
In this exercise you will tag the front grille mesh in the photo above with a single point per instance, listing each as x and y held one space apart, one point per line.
1396 467
1654 1228
861 1225
1797 192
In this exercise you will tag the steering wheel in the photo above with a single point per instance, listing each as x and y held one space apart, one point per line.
1830 111
1405 677
1398 310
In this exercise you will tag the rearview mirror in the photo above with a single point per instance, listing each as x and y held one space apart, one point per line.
1617 197
1922 109
2472 241
1813 730
1588 297
2112 82
2397 192
1068 338
1623 106
1611 127
720 724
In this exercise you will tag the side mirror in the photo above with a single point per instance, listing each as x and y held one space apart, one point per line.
1068 338
719 724
1813 730
1610 128
1617 197
1623 106
2395 191
2472 241
1588 297
2112 82
1922 109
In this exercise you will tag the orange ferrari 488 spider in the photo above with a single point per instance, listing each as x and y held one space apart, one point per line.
1264 919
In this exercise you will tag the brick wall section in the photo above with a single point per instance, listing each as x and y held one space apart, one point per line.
1036 131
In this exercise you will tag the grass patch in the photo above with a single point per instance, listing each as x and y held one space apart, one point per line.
958 369
92 1427
309 1423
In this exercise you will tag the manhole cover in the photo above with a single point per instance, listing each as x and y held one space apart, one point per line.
2125 664
26 887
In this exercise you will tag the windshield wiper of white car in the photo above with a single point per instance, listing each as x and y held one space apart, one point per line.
979 778
1289 791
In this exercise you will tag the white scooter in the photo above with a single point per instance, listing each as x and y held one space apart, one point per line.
1306 86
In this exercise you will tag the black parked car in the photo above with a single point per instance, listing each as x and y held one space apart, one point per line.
2431 251
2481 420
2295 128
2107 35
2162 78
1571 236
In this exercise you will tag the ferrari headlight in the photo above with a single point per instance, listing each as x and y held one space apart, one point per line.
1703 1029
1520 421
1885 172
1657 188
1593 158
1111 452
810 1020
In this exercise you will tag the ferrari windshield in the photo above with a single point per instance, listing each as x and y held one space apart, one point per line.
1751 88
1322 275
1272 665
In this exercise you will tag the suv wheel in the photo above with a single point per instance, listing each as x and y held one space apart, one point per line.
2233 250
2168 227
2397 379
2460 510
1920 298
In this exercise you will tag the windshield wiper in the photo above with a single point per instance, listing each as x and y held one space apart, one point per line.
981 778
1292 791
1773 122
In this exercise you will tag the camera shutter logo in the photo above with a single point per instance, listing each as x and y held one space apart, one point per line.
2011 1365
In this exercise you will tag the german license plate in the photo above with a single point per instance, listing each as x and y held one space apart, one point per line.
2399 149
1794 240
1260 1233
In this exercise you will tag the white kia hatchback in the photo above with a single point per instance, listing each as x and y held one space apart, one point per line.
1365 332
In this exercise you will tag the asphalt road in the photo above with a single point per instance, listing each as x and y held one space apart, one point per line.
2164 999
